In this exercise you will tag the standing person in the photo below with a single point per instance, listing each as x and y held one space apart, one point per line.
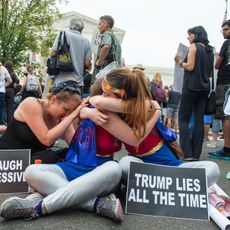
172 109
31 86
216 127
109 48
87 83
207 126
38 123
157 90
222 85
80 51
198 66
10 90
5 81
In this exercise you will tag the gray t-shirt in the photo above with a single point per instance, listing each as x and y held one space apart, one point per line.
80 51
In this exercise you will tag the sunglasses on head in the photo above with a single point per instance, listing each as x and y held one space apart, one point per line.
106 86
69 86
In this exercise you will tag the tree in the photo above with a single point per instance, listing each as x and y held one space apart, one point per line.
24 24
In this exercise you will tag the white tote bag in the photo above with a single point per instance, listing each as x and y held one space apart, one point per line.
108 68
227 103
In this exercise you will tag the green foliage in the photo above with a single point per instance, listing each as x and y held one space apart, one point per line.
24 25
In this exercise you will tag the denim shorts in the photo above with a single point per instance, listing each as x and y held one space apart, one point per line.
216 125
172 113
220 97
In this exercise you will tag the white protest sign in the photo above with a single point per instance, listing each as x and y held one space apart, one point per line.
167 191
95 42
13 163
178 75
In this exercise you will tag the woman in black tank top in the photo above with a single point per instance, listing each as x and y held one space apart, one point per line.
198 67
38 123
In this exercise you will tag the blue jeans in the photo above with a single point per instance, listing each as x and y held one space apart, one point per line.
2 108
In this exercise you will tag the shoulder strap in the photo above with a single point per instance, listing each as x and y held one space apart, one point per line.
212 83
59 41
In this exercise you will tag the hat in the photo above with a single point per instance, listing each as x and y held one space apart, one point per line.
139 66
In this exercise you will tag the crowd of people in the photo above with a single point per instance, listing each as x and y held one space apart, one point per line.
123 110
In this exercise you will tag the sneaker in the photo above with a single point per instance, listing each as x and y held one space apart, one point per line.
110 207
228 176
211 145
188 159
219 154
221 137
16 207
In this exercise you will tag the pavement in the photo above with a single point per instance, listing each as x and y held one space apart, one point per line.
79 220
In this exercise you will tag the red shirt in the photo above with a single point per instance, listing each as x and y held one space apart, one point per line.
151 141
107 144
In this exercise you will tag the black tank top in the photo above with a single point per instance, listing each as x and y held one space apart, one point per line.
198 78
18 135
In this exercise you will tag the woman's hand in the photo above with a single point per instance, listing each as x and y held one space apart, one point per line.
178 59
76 112
154 106
97 116
85 100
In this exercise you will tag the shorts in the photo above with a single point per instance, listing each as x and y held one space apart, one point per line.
172 113
207 119
73 171
216 125
220 97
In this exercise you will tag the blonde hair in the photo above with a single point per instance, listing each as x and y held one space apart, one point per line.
157 77
134 101
65 96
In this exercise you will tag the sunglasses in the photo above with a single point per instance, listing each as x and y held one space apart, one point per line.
69 86
106 86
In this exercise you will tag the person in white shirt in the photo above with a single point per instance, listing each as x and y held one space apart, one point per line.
5 80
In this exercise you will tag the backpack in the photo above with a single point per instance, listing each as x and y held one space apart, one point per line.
158 93
32 82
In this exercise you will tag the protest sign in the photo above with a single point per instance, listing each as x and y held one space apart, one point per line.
167 191
178 75
13 163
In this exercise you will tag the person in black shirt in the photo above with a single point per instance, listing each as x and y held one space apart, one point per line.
10 90
222 85
197 67
172 109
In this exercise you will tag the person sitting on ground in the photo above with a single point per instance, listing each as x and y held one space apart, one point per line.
76 183
38 123
152 149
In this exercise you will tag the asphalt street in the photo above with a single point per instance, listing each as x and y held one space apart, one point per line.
77 219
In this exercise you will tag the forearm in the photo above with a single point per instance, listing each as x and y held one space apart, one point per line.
68 135
22 89
107 103
8 82
58 131
103 54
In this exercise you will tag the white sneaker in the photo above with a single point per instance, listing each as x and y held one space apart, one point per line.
211 145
